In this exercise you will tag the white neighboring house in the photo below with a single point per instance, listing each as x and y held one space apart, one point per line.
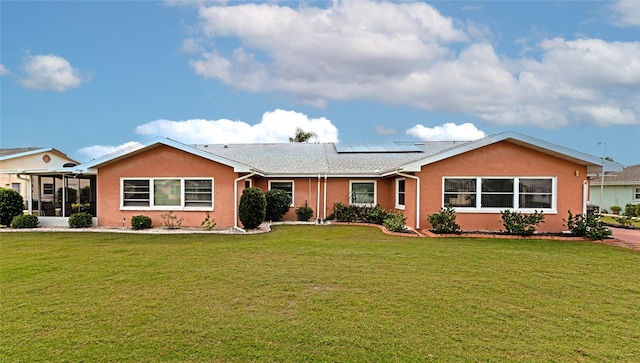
45 162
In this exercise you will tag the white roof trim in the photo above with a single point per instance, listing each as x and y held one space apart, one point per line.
96 163
37 151
527 141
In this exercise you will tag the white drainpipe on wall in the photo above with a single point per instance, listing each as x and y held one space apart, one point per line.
235 201
318 220
585 194
325 198
417 179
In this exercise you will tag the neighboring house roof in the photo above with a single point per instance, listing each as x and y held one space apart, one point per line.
155 142
13 153
629 176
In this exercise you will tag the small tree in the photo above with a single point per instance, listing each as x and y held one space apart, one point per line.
11 204
252 208
302 136
278 203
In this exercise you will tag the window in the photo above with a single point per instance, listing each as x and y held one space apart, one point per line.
16 187
536 193
460 192
287 186
47 188
167 193
496 194
363 192
400 185
247 183
636 193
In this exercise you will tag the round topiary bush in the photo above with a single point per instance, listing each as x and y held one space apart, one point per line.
278 203
304 213
24 221
11 204
140 222
80 220
252 208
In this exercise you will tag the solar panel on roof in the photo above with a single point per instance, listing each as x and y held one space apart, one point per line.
372 147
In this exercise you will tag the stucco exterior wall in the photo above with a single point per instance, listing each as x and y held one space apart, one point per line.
509 160
165 161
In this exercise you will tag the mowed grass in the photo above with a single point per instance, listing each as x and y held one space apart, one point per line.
314 293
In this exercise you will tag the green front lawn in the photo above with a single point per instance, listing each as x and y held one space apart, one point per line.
614 221
313 293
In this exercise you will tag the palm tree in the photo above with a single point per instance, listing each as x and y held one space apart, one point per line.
302 136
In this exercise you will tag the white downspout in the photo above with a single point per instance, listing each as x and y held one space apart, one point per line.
29 192
324 215
417 179
318 220
235 195
585 193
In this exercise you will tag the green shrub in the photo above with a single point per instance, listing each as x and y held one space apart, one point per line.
80 220
252 208
304 213
140 222
637 210
376 215
615 209
171 221
521 224
630 210
444 221
344 213
278 203
395 221
24 221
208 223
11 204
589 226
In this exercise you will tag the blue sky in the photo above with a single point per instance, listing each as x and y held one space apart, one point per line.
88 77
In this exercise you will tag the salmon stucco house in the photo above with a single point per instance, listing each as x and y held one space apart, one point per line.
478 178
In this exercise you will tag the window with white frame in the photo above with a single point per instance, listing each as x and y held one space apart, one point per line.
400 193
16 186
363 192
636 193
500 193
167 193
47 188
286 185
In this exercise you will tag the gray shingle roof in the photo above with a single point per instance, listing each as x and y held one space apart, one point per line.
311 159
629 176
16 150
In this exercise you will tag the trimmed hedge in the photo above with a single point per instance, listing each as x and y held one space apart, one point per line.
140 222
80 220
24 221
252 208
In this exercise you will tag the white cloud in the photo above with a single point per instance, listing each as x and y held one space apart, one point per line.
276 126
447 132
383 130
96 151
626 13
409 54
4 70
51 72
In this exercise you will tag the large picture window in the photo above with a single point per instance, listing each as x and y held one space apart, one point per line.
363 193
164 193
287 186
500 193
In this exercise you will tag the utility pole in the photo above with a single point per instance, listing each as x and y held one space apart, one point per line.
604 155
